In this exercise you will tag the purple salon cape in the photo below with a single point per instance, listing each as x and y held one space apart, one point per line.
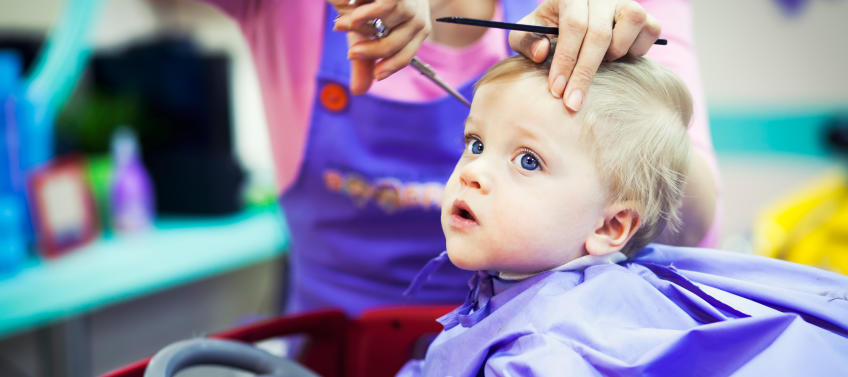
669 311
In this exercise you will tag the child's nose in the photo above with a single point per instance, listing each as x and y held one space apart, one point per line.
474 176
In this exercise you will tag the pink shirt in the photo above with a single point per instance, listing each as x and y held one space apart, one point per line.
283 36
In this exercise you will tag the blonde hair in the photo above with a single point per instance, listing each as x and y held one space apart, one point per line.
634 118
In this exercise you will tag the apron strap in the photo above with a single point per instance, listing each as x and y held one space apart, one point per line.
335 65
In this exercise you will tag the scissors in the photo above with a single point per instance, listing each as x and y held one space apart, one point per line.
425 69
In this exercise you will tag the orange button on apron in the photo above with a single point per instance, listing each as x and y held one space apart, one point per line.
334 97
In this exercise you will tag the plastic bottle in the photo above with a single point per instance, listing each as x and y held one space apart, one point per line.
15 231
131 192
13 251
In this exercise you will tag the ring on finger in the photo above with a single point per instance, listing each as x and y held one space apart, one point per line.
380 29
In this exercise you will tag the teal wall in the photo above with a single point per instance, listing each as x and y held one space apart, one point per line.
773 130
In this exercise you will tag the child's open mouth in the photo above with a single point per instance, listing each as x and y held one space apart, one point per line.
462 217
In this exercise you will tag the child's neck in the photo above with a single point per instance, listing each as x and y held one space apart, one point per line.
578 263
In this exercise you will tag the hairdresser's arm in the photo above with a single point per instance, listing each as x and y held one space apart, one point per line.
699 204
284 40
589 32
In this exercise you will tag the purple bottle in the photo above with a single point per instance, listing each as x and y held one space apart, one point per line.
131 191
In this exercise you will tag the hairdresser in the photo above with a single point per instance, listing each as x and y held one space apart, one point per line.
362 144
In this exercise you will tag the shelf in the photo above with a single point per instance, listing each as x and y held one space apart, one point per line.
119 268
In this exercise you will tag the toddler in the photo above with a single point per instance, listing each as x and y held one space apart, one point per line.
555 210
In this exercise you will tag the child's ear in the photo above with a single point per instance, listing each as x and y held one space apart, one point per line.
612 232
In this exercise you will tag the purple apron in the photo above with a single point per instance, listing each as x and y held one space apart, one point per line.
364 210
669 311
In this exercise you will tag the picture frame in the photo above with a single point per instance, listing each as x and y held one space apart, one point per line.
62 205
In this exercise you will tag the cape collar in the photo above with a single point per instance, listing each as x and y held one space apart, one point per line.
481 286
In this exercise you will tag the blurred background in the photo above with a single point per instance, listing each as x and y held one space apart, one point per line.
137 198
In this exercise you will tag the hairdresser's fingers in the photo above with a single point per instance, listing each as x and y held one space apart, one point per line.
340 4
595 45
532 45
365 29
573 24
629 20
404 37
388 66
345 7
362 70
344 4
649 34
361 76
391 12
341 23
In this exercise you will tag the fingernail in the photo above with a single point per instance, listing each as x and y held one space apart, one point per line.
558 86
353 54
381 75
575 100
539 51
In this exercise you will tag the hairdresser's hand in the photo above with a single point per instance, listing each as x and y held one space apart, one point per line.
408 23
590 31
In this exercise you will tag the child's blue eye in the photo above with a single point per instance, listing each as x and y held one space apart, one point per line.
528 161
474 146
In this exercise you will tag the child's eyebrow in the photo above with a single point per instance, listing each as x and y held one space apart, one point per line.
532 133
470 121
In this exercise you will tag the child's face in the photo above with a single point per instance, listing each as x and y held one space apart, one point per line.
525 194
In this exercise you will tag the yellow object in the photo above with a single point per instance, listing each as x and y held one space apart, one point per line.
810 227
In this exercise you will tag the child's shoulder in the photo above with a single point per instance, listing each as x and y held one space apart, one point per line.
669 287
602 296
